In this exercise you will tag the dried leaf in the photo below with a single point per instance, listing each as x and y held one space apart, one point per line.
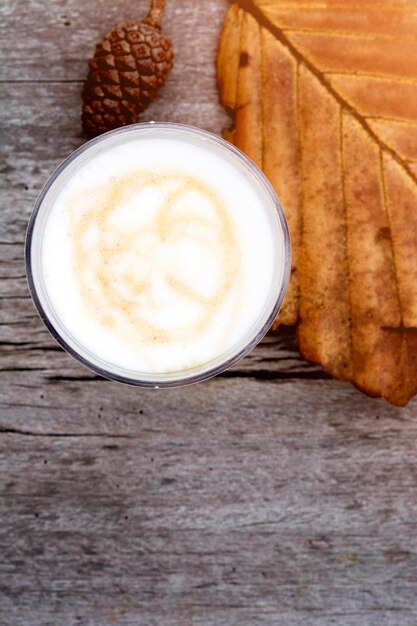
324 96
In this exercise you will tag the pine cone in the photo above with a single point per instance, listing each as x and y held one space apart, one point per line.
129 66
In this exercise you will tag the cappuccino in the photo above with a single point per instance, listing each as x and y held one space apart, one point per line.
161 253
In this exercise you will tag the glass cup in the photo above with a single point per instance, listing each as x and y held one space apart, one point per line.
35 268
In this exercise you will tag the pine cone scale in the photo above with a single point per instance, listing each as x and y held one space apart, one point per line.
125 63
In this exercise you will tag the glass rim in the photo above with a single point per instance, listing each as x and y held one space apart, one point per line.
158 380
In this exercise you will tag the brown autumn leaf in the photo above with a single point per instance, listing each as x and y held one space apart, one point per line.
324 96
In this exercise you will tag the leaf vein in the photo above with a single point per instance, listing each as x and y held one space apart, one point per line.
395 267
359 7
398 120
359 74
341 34
348 271
300 153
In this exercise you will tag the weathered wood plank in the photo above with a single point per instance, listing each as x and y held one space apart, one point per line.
193 516
64 395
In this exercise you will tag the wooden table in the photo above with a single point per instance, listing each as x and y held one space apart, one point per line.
269 495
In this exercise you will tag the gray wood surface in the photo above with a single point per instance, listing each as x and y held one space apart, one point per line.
270 495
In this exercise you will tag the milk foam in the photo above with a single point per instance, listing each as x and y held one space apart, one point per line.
158 254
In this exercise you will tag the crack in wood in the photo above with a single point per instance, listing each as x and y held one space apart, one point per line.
79 378
28 433
23 369
266 375
27 345
23 81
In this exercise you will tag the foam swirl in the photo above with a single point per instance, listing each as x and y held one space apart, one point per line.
156 258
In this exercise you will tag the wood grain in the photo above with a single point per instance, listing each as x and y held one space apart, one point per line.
270 495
